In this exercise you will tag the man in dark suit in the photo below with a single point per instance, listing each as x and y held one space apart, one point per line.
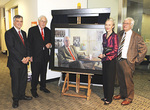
39 40
68 56
18 59
132 50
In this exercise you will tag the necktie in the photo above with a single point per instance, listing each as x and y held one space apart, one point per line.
21 38
71 54
120 47
42 33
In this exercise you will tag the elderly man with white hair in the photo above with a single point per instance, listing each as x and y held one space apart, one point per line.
132 51
39 40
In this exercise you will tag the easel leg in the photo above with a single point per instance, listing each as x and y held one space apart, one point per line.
66 79
89 89
77 83
66 86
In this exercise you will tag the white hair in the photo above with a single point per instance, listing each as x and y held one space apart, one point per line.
42 17
131 19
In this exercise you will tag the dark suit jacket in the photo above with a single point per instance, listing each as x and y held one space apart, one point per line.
64 55
137 49
16 48
37 44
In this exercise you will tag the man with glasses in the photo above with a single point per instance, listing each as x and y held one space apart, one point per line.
132 51
68 55
39 40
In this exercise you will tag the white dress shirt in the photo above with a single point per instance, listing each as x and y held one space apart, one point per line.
18 31
126 43
40 29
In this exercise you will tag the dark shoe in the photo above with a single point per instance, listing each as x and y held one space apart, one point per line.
117 97
126 102
34 94
26 98
15 104
45 90
104 99
106 103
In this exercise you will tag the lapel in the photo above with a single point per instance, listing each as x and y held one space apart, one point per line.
73 51
120 37
24 37
17 36
131 41
66 51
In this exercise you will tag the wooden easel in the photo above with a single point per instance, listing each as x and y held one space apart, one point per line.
77 86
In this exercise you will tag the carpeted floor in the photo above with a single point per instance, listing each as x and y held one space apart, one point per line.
54 100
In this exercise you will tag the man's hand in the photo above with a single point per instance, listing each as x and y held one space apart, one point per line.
48 45
24 60
31 59
27 58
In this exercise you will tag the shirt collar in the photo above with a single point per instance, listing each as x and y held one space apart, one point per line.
40 28
17 29
128 32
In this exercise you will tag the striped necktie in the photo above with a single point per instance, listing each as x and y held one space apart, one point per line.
121 47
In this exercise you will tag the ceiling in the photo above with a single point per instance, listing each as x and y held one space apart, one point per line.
3 2
146 4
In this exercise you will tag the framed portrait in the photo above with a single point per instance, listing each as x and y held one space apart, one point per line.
60 33
76 41
58 42
86 44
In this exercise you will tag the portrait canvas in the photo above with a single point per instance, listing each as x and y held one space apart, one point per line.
85 46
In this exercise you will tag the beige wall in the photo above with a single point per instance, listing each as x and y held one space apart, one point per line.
32 9
145 26
26 8
45 6
145 30
0 26
113 4
2 31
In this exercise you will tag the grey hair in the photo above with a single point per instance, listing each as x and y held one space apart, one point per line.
131 19
17 16
42 17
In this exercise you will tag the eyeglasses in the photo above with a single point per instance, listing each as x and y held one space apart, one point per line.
67 40
126 23
43 21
